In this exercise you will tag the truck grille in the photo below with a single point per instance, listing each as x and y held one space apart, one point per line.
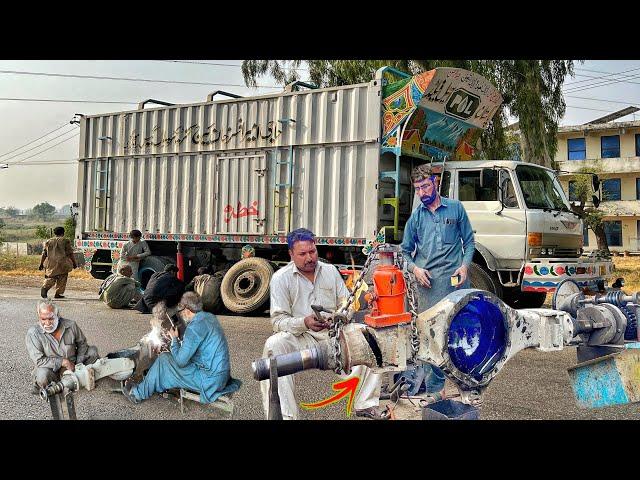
565 252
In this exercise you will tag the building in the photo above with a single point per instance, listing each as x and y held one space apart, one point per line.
611 149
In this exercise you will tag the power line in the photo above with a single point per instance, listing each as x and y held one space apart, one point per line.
27 164
225 64
28 143
45 150
127 79
37 146
604 100
587 108
62 101
602 84
606 74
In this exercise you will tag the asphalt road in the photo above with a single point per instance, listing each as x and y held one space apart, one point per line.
534 385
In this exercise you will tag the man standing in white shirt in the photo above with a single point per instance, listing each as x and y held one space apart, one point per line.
294 288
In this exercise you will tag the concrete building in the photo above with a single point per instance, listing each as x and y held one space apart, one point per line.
612 150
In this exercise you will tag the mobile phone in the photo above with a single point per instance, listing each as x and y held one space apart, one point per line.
455 280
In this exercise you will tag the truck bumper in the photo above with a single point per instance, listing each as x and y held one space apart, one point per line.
89 248
543 275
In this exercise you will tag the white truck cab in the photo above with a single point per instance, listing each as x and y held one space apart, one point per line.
526 237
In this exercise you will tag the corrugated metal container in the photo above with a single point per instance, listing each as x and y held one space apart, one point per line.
224 167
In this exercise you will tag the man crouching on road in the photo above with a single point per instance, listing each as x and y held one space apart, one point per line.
56 344
199 363
294 288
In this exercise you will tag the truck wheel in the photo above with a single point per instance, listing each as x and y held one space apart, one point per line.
150 265
211 297
484 279
245 286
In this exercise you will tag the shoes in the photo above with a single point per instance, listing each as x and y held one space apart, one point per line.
58 296
43 292
126 387
373 412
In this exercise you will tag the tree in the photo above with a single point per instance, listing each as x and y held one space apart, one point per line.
70 228
582 191
44 211
531 90
2 224
42 232
11 211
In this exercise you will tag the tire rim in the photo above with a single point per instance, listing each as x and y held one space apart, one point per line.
245 285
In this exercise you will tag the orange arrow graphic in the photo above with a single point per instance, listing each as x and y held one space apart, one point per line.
344 388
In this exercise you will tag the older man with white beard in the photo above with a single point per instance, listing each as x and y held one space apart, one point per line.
55 344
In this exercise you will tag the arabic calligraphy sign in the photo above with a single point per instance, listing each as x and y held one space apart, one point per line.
241 211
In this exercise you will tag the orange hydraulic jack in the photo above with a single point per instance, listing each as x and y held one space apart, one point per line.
389 290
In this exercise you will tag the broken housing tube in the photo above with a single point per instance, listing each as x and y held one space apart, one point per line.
294 362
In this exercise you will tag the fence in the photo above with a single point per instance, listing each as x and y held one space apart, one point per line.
15 248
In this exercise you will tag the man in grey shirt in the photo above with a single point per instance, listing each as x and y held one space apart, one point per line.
133 252
56 344
294 288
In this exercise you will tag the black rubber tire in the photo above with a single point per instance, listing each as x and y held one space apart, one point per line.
150 265
484 279
211 296
257 294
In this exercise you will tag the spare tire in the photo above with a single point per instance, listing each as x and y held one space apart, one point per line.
245 286
150 265
209 291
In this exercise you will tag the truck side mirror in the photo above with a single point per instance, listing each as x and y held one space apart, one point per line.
595 183
595 200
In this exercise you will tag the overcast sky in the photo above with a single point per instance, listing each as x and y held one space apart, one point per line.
25 184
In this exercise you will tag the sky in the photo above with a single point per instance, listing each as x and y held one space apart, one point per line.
598 87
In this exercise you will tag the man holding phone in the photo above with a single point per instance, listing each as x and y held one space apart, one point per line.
438 245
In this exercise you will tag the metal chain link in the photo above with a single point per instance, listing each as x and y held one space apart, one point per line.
336 325
415 340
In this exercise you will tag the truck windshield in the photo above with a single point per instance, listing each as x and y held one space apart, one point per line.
540 189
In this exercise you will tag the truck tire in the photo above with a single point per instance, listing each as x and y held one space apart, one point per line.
484 279
245 286
210 294
150 265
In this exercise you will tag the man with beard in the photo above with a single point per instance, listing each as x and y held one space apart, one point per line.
294 288
438 245
199 363
56 344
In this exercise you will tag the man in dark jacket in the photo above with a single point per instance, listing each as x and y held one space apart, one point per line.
162 286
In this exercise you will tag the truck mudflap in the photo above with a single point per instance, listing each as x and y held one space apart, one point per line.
89 248
545 275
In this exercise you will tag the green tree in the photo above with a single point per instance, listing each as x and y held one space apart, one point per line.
44 211
11 211
582 191
70 227
2 224
42 232
531 90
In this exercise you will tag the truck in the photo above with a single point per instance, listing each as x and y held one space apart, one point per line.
203 180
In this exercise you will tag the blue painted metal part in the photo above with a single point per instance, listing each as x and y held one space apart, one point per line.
609 380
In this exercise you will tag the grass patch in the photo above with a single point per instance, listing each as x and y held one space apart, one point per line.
629 269
28 265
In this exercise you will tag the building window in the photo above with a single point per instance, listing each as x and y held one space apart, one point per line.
613 231
610 146
577 148
572 191
585 235
637 144
611 189
637 188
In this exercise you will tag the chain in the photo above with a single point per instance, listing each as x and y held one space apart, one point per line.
336 325
415 340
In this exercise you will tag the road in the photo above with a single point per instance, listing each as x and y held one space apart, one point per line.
533 385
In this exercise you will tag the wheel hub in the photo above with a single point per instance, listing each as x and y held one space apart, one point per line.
245 284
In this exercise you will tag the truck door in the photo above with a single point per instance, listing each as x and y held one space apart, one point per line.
240 197
502 231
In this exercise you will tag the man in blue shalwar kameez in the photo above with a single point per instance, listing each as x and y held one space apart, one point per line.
438 245
199 363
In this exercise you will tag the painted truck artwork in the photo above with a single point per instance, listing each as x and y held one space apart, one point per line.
439 114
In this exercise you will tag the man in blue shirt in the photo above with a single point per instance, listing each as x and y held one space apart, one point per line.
438 245
199 363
